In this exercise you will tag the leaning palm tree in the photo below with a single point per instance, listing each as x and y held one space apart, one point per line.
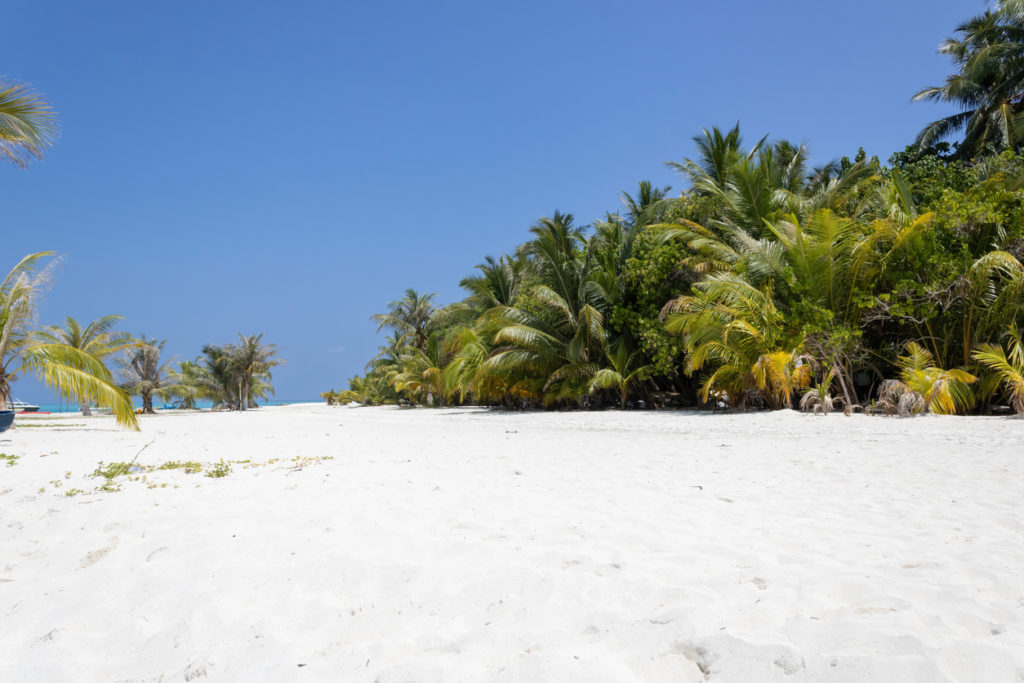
144 375
98 339
1007 366
28 125
251 361
74 373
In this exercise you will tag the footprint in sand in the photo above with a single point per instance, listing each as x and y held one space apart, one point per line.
94 556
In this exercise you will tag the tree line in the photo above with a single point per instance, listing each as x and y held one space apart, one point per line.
96 365
893 288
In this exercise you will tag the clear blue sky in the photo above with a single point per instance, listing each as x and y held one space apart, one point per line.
291 167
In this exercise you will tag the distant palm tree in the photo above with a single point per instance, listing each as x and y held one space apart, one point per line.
145 376
74 373
28 125
97 339
408 316
251 361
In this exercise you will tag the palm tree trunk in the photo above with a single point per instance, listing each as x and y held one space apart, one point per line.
147 403
86 411
840 375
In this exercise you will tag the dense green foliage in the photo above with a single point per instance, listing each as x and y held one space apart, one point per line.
885 287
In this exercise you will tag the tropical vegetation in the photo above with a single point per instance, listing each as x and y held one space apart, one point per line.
884 287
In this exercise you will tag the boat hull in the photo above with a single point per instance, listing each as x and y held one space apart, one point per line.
6 419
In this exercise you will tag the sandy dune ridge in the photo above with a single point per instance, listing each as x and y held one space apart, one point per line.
384 544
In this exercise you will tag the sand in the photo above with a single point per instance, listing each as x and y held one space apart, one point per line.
386 544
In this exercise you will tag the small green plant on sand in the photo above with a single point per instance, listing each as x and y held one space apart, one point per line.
11 460
218 470
114 469
109 486
190 467
73 492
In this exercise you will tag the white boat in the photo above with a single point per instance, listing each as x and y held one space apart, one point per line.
23 407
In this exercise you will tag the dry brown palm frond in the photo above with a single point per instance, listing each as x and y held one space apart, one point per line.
817 399
883 406
896 398
911 403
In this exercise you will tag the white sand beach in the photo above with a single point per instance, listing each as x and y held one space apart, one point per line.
385 544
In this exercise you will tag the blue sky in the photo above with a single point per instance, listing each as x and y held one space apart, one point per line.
290 168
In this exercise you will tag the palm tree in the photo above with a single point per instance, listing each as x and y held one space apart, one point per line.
408 316
716 154
498 284
210 376
96 339
736 327
988 85
72 372
622 371
188 383
1007 366
925 387
28 125
420 372
251 361
547 355
550 344
364 390
144 375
